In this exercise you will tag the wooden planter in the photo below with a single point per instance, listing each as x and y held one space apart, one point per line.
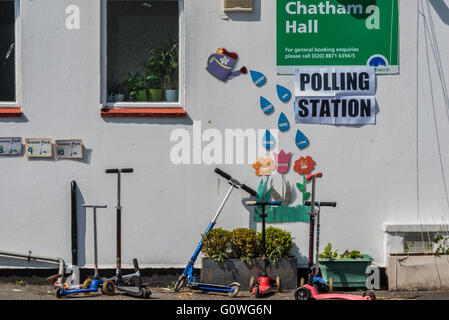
235 270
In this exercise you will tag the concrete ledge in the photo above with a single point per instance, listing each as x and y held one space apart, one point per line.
11 113
407 228
144 113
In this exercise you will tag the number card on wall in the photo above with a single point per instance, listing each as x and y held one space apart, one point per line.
69 149
10 146
38 147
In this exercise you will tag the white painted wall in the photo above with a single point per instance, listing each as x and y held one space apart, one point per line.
370 171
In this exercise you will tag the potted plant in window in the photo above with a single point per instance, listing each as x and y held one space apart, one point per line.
136 87
154 68
171 53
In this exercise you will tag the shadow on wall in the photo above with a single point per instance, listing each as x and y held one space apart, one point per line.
81 228
442 9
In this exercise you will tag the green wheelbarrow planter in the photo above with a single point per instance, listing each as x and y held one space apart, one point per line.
346 273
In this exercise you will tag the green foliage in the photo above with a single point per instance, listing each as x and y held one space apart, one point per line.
171 61
329 254
155 68
244 244
278 243
216 244
440 245
134 83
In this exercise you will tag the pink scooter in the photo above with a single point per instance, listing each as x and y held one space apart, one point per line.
310 291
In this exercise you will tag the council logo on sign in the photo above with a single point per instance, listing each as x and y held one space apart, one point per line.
377 60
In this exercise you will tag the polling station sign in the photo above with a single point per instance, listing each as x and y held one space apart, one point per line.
338 96
337 33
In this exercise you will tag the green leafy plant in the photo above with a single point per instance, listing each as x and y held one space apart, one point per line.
440 245
134 83
171 63
216 244
155 67
329 254
278 243
244 244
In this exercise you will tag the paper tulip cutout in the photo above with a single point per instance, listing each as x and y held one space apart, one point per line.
283 123
283 161
283 93
264 166
266 106
258 78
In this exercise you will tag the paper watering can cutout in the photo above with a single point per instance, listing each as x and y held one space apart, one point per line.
221 63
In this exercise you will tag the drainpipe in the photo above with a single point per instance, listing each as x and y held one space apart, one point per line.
30 257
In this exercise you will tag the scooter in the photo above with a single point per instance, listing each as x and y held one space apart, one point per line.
317 280
310 291
130 284
90 285
188 278
264 284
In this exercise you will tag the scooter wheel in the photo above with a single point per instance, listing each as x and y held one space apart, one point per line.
180 283
108 287
86 285
252 281
256 292
146 293
370 294
58 292
234 293
278 284
303 294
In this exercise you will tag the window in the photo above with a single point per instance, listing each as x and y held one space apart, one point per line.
8 47
141 52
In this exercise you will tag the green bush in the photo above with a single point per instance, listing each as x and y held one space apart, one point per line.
216 244
244 245
278 243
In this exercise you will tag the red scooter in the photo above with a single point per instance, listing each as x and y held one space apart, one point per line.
310 291
264 283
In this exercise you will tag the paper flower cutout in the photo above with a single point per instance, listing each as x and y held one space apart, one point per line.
264 166
283 161
304 165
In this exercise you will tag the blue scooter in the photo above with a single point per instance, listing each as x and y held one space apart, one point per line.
94 284
188 278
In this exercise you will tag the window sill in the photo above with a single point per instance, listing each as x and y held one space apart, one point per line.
10 112
144 113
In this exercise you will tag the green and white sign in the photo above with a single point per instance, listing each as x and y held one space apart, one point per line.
338 33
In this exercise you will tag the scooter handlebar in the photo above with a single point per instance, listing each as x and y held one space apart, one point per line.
243 186
223 174
125 170
269 203
249 190
321 204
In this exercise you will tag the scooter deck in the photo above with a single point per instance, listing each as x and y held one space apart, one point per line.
209 287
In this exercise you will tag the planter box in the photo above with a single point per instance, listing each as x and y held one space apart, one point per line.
346 273
235 270
418 272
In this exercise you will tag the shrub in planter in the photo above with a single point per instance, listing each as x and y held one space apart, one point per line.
244 244
216 244
278 243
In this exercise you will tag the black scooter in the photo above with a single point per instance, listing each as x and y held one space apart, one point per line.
130 284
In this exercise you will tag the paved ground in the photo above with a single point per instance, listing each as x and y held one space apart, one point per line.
10 291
